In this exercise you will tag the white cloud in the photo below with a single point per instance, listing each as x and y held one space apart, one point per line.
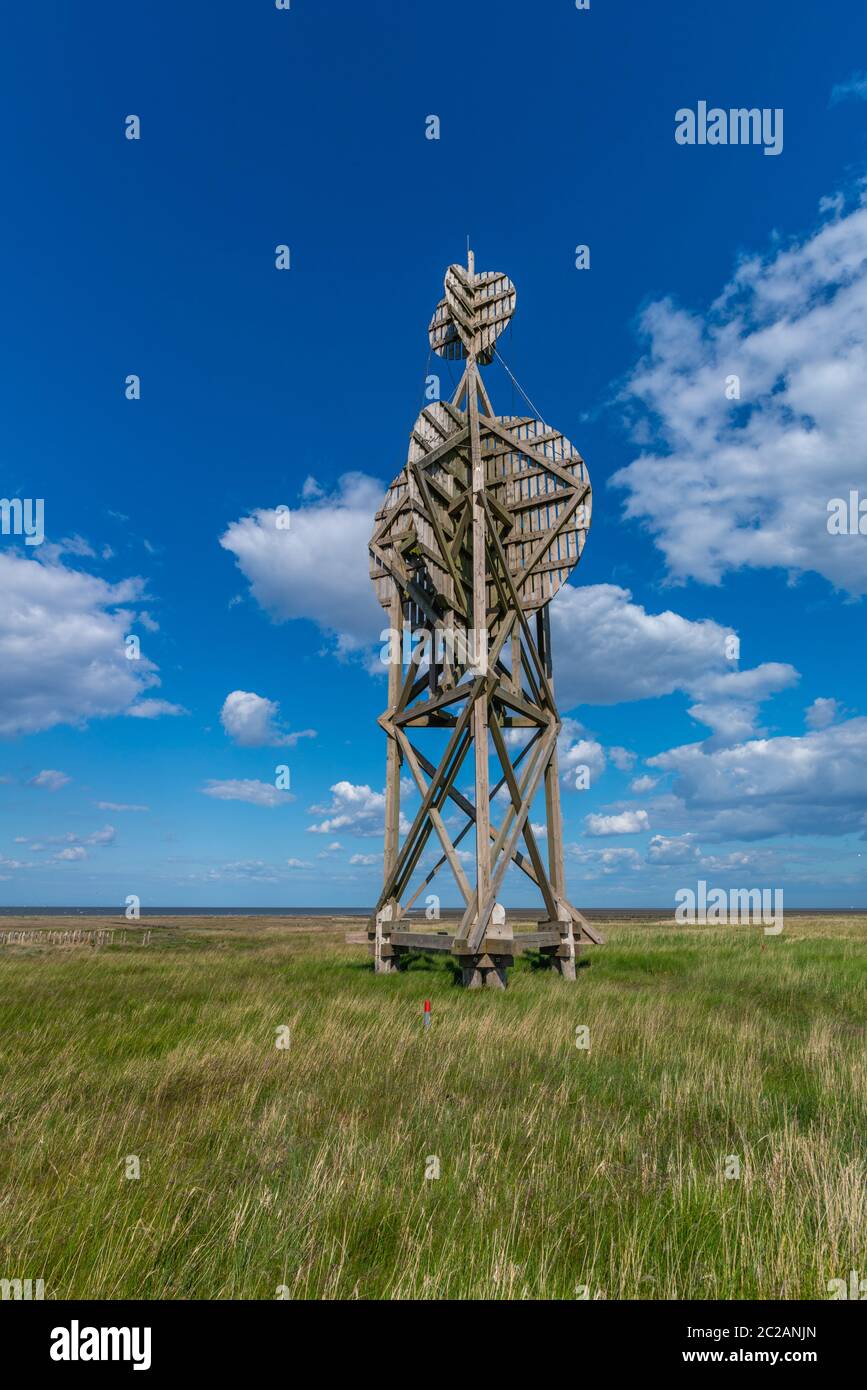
252 721
247 789
366 860
73 853
575 752
752 478
621 823
622 758
298 864
742 862
13 864
812 785
357 810
822 712
675 850
154 709
50 779
643 784
119 806
317 567
603 863
62 655
608 649
106 836
76 545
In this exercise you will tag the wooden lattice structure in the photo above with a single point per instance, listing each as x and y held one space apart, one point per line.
477 533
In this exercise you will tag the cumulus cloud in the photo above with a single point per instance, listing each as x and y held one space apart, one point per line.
672 850
357 810
821 713
252 721
576 752
609 649
622 758
729 703
621 823
327 538
62 656
812 785
247 789
724 483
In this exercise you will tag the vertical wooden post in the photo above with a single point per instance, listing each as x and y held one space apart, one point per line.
554 816
480 634
384 963
392 769
552 780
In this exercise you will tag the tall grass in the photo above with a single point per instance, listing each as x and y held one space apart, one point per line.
561 1170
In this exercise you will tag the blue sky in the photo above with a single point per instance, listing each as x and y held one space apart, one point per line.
260 387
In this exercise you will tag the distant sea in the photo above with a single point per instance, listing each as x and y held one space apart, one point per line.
593 913
111 909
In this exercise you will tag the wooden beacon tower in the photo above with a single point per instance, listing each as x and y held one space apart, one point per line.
476 535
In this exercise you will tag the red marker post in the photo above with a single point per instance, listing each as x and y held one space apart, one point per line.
427 1013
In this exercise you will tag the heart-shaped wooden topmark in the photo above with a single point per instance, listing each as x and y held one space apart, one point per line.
473 314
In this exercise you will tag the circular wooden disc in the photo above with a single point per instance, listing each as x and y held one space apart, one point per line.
537 498
536 489
400 516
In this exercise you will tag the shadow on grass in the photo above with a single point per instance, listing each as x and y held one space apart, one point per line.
537 961
418 961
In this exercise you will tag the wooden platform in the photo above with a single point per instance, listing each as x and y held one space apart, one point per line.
445 941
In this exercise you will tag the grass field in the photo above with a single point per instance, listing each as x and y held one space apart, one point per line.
561 1169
